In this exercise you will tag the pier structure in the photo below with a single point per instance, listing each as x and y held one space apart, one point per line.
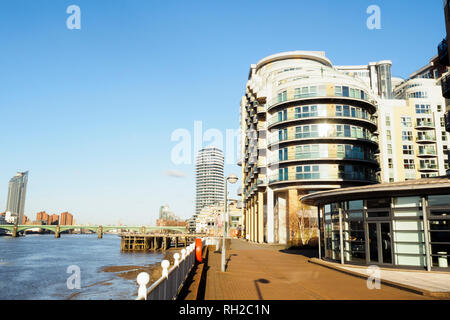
155 242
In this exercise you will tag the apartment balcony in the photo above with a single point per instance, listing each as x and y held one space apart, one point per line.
317 137
321 177
294 118
445 84
239 163
428 167
426 139
239 191
425 125
261 182
261 125
443 52
427 154
447 121
365 101
315 157
261 109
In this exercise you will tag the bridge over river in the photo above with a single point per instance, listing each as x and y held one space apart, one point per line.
57 229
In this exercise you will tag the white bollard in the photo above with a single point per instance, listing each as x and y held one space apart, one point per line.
165 266
142 279
176 256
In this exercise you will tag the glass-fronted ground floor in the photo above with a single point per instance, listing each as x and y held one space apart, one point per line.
402 225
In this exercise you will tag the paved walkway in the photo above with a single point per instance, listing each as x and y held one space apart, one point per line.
437 283
265 272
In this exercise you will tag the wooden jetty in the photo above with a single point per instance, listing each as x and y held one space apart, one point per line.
155 242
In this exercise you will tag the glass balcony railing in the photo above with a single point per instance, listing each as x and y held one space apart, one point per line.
447 121
426 138
322 156
296 116
426 124
428 166
445 84
296 96
321 134
350 176
427 152
443 53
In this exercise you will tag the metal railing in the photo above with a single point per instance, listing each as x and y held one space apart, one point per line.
169 285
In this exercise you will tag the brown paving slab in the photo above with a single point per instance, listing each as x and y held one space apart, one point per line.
262 272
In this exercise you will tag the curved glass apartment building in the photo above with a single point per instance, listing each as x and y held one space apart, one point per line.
307 127
209 178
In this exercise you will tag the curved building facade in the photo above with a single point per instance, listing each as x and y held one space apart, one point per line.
400 224
209 178
306 127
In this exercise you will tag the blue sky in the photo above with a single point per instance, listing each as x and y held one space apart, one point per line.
90 112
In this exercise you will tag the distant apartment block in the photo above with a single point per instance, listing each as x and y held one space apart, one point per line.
43 218
16 196
66 219
209 166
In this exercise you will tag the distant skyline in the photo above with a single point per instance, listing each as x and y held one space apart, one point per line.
90 113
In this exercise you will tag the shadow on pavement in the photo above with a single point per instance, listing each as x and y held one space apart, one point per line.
309 252
257 287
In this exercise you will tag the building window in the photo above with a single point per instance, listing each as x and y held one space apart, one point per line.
406 122
408 150
345 91
282 96
307 172
389 148
390 163
282 134
444 136
423 109
282 115
409 164
308 152
388 121
388 135
283 154
428 164
418 95
427 150
442 122
439 107
306 112
407 136
425 122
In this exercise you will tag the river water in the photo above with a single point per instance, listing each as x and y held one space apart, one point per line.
35 267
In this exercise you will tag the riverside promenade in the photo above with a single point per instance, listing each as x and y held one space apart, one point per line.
267 272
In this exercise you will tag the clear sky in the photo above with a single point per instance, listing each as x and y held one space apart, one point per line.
90 112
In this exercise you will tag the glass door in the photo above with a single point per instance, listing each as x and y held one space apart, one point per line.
386 242
380 242
373 242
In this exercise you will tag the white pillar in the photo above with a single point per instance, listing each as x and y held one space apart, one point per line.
270 216
282 218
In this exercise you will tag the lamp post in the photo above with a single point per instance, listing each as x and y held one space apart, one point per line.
232 179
